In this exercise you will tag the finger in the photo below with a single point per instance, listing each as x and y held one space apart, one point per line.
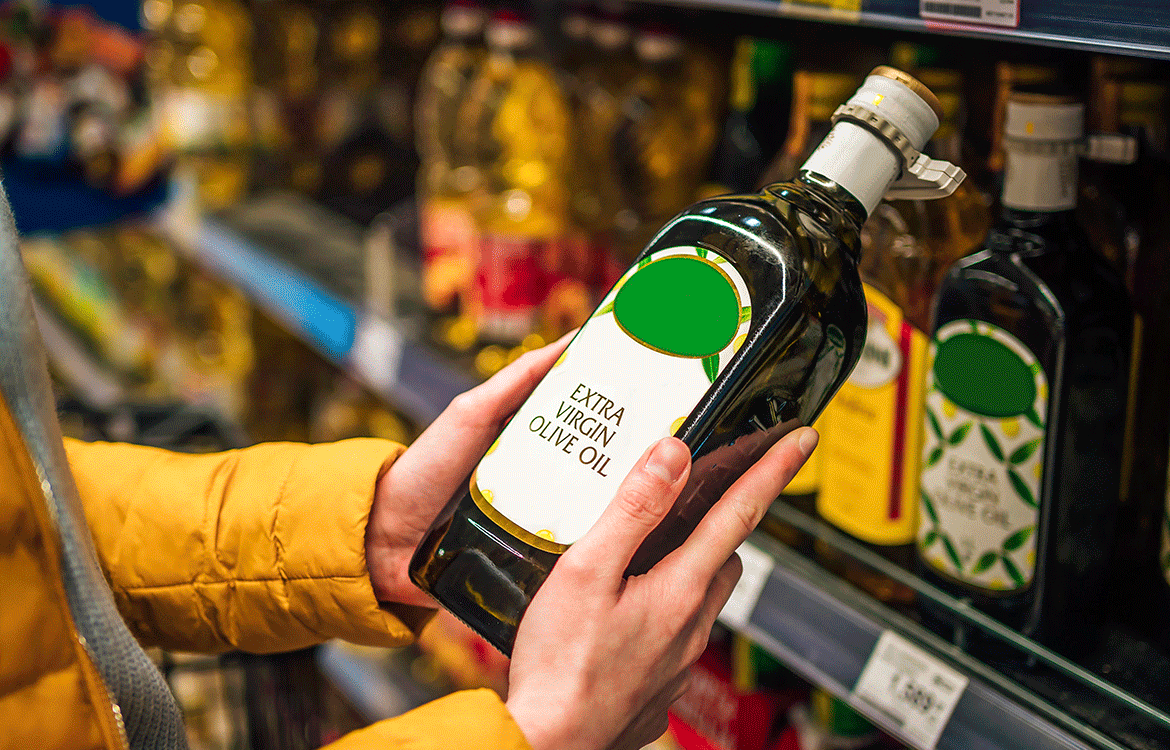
466 428
733 517
505 391
641 502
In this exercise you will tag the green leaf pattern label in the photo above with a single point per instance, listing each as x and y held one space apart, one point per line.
981 470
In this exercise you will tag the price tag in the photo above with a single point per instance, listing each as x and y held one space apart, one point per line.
842 11
377 352
914 689
985 12
757 566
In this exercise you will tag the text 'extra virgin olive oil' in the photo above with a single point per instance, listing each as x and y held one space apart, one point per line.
1026 399
734 326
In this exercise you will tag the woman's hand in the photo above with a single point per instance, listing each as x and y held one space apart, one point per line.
418 485
599 659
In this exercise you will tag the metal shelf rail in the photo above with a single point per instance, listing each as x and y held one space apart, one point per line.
372 349
826 630
1128 27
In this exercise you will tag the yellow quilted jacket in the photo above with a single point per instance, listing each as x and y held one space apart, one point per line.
260 549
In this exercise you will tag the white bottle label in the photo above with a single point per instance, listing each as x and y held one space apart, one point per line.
983 457
632 375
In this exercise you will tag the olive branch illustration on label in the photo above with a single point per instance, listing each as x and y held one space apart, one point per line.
1012 542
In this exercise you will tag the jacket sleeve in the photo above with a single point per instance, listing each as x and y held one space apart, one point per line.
261 549
467 720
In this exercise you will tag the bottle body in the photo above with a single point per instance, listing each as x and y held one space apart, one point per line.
1025 415
447 176
516 125
799 322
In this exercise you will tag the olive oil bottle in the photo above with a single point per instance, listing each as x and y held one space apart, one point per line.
447 176
1026 398
734 326
873 429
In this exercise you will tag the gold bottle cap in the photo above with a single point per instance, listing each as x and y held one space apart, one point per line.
913 84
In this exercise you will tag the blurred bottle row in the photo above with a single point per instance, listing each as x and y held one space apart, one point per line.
170 332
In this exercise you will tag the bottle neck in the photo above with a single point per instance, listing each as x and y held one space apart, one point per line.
1040 182
858 161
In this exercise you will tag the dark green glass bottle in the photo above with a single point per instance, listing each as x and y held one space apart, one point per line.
733 327
1026 400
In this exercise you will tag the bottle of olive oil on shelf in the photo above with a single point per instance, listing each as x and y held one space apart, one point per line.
735 325
516 122
872 430
1124 208
1026 398
665 135
447 176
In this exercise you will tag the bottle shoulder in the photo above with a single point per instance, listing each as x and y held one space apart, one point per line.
782 244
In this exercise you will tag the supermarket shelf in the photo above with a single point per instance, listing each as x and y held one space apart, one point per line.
826 630
375 351
96 386
1129 27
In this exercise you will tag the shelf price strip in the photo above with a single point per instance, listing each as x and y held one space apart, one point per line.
912 688
979 12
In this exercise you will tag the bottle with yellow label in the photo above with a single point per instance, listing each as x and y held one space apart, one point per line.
872 438
447 176
666 132
516 123
1026 389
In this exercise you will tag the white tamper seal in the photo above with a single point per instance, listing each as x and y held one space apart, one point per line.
875 147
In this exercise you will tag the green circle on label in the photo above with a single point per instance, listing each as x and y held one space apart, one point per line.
680 305
984 376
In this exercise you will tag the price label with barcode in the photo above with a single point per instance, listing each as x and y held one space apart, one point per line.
990 12
757 566
914 689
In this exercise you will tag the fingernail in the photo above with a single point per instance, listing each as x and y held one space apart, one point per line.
668 460
808 440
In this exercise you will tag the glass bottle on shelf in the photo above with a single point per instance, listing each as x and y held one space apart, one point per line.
204 96
739 158
734 326
581 269
517 126
872 439
665 135
447 176
1122 210
1025 400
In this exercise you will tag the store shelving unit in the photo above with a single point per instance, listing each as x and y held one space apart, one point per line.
816 623
1128 27
374 350
820 626
826 630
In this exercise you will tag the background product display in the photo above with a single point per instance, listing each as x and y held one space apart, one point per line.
310 220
